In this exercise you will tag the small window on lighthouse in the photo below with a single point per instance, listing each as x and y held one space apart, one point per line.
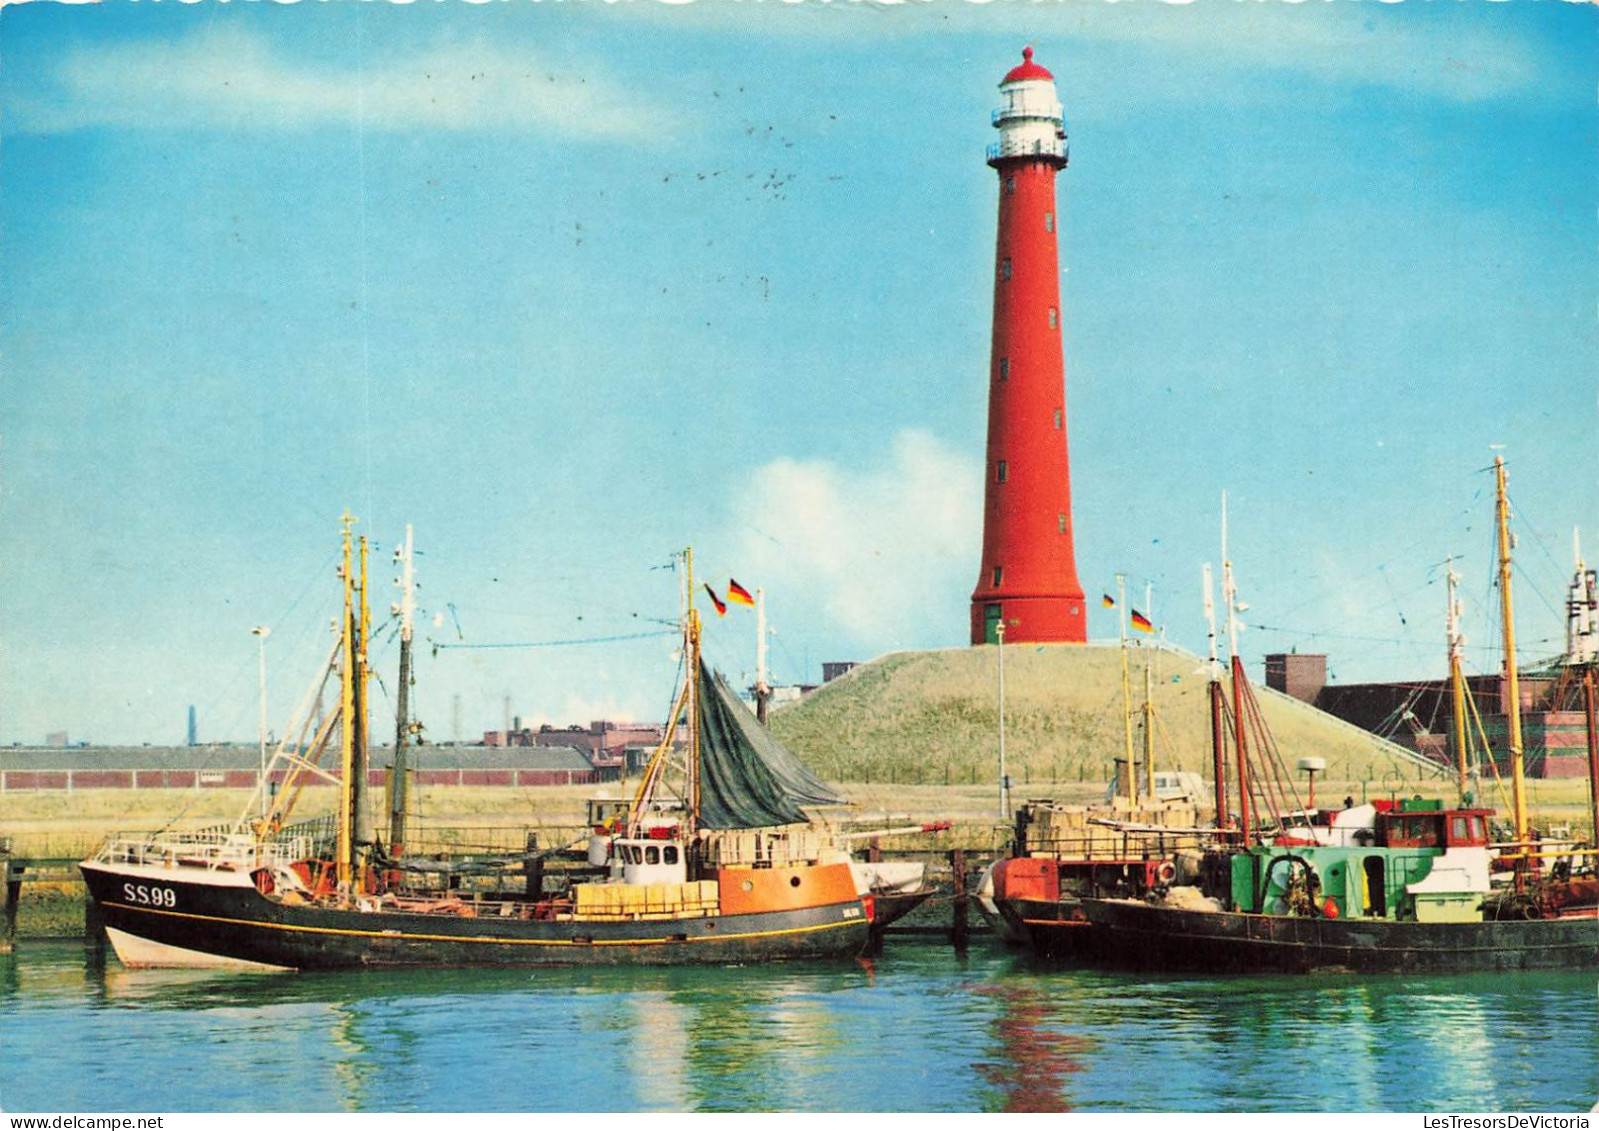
1000 470
1049 221
1057 420
999 573
1004 268
1054 318
1061 519
1004 369
1010 184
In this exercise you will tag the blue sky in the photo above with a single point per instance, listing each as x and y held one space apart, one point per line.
570 286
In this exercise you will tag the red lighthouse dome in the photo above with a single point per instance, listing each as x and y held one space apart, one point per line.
1027 70
1027 581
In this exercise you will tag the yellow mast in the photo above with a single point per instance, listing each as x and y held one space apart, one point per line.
691 643
361 755
1149 706
1512 690
1149 731
347 669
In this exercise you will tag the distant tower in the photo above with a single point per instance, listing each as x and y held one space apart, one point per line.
194 739
1029 574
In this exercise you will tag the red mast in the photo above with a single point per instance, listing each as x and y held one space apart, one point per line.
1029 573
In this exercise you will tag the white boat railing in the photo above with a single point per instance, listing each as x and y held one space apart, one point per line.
216 851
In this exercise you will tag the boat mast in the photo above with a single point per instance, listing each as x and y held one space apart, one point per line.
1512 688
399 792
1218 750
1149 702
1229 593
1590 711
691 652
1131 792
1580 609
1457 684
261 632
347 738
360 832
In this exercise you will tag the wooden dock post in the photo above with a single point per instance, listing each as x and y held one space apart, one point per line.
94 937
11 869
958 928
8 916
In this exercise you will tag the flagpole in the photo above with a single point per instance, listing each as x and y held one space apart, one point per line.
1004 779
1149 701
1127 705
763 690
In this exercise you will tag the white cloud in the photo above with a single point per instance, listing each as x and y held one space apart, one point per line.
1339 43
225 79
887 553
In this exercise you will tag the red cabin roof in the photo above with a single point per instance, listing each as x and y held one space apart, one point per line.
1029 70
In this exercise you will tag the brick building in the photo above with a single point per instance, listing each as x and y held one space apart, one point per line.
1417 714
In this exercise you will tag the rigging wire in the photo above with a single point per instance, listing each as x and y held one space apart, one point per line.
439 646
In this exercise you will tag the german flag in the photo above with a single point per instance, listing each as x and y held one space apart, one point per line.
1140 621
738 595
721 609
1108 601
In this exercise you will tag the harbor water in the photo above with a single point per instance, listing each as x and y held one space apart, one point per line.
919 1029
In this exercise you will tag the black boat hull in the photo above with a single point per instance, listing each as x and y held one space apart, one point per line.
238 924
1052 930
1128 933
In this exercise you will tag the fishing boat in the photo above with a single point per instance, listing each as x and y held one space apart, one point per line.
713 860
1407 885
1122 846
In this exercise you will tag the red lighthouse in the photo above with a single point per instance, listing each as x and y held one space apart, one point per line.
1028 576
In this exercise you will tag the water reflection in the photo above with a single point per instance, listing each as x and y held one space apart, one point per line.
925 1032
1033 1054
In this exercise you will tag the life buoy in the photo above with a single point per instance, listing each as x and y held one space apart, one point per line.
1330 908
1165 872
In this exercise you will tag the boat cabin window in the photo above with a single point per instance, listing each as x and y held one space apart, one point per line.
652 855
1415 830
1467 829
669 854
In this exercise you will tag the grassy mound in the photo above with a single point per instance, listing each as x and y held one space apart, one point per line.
933 718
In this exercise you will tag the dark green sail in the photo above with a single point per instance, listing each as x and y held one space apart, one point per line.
748 780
